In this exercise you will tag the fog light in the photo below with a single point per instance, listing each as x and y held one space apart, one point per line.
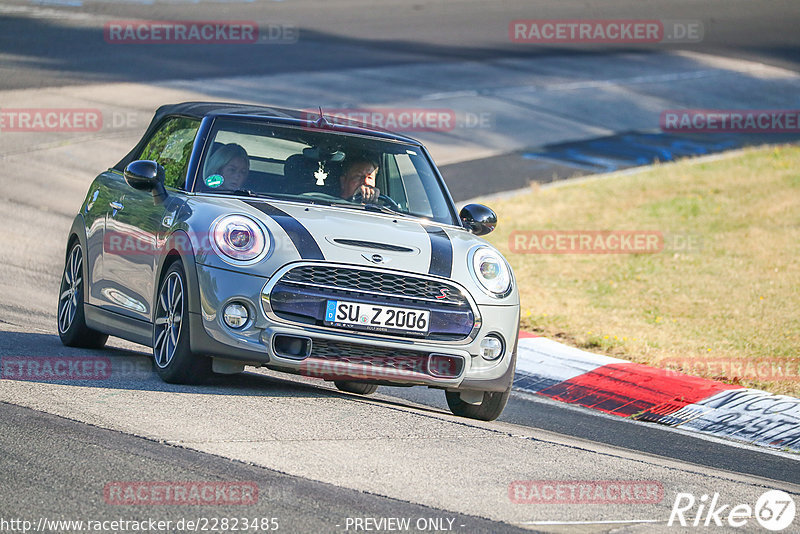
235 315
491 348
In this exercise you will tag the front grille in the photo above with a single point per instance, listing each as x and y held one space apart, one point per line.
302 295
376 283
368 355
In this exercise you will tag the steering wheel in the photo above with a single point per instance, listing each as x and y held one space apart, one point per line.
387 200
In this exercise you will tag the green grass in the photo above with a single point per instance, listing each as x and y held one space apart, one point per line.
733 296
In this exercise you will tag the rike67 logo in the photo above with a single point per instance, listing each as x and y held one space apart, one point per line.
774 511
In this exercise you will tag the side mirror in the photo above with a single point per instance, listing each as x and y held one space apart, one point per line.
147 175
144 175
478 219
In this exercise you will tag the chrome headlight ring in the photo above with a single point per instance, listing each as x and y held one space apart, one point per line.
240 240
490 271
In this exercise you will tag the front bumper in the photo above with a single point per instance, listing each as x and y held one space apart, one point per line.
346 354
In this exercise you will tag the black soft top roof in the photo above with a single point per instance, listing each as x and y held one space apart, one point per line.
199 110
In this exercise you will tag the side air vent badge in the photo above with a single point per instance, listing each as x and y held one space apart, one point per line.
373 245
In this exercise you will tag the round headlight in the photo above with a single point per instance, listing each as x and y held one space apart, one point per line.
491 271
239 238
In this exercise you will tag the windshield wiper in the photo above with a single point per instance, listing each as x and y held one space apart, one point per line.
249 193
381 209
293 198
374 207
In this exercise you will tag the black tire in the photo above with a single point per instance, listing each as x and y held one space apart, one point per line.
488 410
172 356
361 388
71 320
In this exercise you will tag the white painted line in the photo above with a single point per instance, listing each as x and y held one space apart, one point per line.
605 522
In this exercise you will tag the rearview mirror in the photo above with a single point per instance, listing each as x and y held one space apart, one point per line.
478 219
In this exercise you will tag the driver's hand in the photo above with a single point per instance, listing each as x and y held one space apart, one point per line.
369 194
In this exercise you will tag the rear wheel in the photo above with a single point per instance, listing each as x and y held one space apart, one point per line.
72 327
175 362
362 388
489 409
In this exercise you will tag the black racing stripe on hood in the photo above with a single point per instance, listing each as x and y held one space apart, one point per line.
300 236
441 252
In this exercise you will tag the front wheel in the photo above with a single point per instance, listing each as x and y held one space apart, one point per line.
175 362
361 388
489 409
72 327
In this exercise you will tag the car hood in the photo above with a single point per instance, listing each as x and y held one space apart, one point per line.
357 237
309 232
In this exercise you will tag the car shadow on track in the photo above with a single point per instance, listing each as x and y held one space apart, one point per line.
41 358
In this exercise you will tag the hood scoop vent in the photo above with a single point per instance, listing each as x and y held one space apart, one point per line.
372 245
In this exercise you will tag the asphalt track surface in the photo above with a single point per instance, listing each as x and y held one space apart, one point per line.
62 443
44 44
64 465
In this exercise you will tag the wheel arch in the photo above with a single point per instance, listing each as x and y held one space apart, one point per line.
178 247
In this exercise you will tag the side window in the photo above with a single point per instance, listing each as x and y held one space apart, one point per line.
171 146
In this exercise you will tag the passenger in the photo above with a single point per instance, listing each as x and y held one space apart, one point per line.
359 176
232 163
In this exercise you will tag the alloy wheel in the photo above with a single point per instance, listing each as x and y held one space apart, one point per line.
168 319
70 289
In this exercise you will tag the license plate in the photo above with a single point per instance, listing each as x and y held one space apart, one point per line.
360 316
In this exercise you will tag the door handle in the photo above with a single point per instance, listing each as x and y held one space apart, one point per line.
116 205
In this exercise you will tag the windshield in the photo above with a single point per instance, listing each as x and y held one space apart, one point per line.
318 166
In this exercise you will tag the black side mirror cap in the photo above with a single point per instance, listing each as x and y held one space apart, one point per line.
144 175
478 219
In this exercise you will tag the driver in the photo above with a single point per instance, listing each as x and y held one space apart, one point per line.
359 177
232 163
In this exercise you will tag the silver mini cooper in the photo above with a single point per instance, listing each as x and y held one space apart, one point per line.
236 235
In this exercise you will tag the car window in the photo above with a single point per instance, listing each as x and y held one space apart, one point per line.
171 146
309 165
